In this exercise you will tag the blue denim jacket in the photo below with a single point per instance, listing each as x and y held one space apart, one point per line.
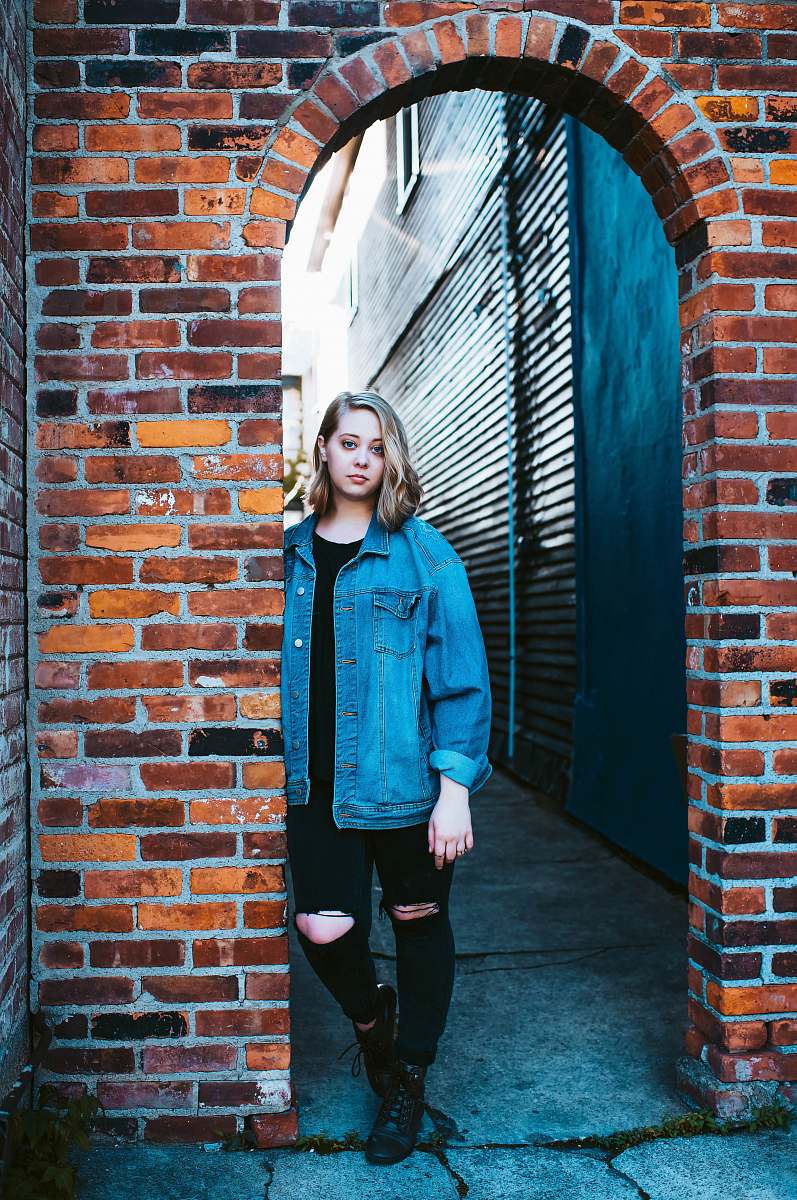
412 684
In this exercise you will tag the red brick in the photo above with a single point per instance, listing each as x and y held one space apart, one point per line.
241 952
169 1059
136 1094
115 814
241 1022
187 777
93 990
175 989
144 953
130 885
189 1129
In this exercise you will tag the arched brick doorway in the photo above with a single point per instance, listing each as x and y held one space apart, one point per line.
146 917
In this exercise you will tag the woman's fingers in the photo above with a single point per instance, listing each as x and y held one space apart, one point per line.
446 849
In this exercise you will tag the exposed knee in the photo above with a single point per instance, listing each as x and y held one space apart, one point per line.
412 912
323 927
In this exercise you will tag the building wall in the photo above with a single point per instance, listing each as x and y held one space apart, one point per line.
13 784
167 159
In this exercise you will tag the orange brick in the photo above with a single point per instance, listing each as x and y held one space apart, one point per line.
87 639
749 1001
133 537
728 108
269 204
183 433
263 501
258 705
133 603
268 1056
783 170
208 169
207 881
187 916
132 138
88 847
185 106
245 810
264 914
181 235
207 201
263 775
654 12
238 602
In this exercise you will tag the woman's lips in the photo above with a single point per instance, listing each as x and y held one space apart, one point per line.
358 478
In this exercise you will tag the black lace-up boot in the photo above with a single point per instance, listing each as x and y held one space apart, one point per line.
377 1045
395 1130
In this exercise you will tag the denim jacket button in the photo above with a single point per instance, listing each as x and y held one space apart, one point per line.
295 692
300 591
297 642
296 745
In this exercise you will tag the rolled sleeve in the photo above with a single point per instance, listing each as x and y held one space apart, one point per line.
456 681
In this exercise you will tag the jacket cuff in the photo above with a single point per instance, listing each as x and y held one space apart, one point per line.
457 766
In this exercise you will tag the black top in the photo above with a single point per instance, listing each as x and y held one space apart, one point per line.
329 557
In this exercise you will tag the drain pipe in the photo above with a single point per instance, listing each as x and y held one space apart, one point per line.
505 159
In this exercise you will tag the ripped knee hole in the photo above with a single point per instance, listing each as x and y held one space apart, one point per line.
316 933
412 912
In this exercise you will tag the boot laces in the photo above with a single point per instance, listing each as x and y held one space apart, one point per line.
399 1101
356 1062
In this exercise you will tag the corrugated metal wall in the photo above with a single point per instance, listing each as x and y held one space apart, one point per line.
544 459
429 335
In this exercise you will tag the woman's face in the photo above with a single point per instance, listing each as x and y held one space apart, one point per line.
354 454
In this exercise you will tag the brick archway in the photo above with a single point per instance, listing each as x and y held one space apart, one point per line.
156 514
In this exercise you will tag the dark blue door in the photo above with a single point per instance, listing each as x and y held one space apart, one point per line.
629 583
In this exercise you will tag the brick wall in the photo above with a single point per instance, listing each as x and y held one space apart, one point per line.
13 801
171 143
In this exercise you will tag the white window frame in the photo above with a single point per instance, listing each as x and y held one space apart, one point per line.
405 185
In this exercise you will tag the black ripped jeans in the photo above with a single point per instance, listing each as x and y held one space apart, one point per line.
331 869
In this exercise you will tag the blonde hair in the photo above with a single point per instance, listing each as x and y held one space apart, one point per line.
400 492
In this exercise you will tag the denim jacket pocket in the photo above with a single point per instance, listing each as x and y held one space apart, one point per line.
395 621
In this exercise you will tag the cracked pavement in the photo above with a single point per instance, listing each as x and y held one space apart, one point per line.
575 1032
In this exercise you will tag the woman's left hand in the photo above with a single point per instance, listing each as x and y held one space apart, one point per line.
450 831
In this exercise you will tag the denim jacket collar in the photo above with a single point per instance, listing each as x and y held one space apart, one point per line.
376 539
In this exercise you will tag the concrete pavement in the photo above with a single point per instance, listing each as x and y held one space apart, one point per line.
567 1020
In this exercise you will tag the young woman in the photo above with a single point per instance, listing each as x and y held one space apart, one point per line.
386 711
